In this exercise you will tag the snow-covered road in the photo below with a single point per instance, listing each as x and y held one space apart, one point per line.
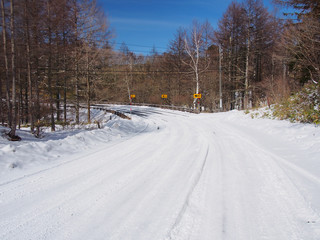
175 176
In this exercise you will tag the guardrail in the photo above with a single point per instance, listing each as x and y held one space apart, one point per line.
172 107
101 108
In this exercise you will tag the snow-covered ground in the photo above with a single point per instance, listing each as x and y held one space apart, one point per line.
164 175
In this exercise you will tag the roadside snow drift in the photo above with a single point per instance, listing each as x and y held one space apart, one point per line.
164 175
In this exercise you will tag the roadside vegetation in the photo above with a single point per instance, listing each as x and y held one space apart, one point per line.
303 106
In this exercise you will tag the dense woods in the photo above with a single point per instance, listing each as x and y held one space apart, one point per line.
57 54
50 51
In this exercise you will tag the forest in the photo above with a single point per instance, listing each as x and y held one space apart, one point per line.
57 54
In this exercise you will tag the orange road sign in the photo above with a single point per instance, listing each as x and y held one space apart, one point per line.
197 95
132 96
164 96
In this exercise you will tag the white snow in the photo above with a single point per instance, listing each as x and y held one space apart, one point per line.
163 175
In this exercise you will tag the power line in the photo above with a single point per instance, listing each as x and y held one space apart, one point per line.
138 45
135 48
117 49
100 71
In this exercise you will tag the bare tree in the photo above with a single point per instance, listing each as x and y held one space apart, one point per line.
174 63
302 42
127 58
231 36
5 56
12 133
28 58
247 35
194 46
49 29
301 39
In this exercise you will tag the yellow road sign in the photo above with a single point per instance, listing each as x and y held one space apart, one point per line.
132 96
164 96
197 95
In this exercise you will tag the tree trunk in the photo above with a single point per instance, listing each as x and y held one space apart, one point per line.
246 83
77 90
50 68
30 92
284 77
229 74
194 56
36 82
88 89
64 80
5 56
20 100
57 85
128 80
12 133
220 78
1 105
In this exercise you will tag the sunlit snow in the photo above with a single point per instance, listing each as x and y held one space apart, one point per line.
163 175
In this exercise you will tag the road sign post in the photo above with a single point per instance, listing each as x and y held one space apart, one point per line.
132 96
198 95
165 98
197 98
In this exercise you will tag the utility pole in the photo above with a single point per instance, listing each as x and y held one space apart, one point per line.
220 76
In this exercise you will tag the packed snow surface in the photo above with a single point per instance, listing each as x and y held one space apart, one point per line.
164 175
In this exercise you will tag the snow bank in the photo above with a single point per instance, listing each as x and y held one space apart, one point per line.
32 154
302 135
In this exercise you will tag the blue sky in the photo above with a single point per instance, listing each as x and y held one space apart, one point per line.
142 24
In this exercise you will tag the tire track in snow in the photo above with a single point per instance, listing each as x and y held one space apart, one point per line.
181 182
204 212
80 189
294 167
163 185
281 188
188 196
91 180
284 163
77 178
